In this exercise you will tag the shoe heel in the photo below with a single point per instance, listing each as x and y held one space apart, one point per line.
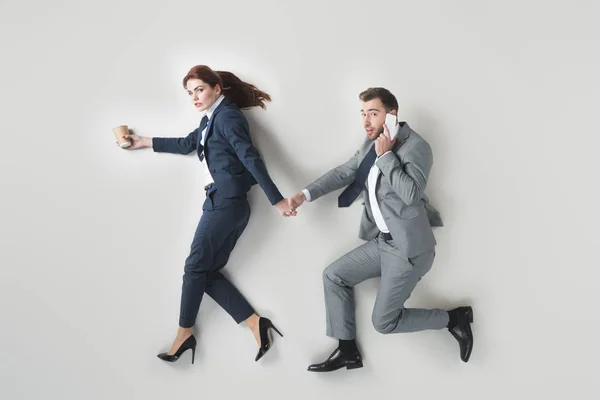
470 314
354 366
189 343
275 329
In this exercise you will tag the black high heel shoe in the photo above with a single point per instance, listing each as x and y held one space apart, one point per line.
264 324
190 343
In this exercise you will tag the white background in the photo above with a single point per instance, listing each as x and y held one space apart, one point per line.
93 238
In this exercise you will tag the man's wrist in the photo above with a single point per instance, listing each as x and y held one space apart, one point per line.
306 195
384 153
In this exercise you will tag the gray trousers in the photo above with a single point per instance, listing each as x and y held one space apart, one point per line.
399 276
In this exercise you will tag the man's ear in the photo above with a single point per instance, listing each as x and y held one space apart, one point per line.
394 112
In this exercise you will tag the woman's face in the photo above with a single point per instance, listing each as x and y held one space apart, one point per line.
202 95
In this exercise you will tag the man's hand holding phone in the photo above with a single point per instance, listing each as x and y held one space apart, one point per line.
384 142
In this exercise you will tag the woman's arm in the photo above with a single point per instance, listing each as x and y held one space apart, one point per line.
237 132
182 145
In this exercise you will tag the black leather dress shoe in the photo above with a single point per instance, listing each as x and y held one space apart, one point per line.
462 331
338 360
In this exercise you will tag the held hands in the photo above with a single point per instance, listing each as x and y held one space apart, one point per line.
287 207
298 199
384 142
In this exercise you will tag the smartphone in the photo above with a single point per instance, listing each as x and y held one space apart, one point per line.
390 121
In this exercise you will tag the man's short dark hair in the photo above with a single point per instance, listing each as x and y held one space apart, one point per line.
387 98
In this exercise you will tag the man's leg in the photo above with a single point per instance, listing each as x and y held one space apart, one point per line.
339 280
399 276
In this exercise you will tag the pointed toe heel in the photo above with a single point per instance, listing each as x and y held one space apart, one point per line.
189 343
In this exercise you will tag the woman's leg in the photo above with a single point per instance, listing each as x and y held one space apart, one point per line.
231 300
215 231
223 291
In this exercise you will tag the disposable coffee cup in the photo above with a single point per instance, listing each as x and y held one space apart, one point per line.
119 132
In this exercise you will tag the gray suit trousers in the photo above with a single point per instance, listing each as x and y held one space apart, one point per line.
399 276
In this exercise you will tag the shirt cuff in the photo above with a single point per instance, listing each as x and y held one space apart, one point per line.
306 194
389 151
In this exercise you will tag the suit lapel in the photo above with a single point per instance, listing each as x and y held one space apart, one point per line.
367 144
209 128
224 103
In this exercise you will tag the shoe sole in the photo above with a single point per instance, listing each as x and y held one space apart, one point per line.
469 314
348 366
354 366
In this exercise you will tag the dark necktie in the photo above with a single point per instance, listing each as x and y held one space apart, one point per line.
203 124
356 187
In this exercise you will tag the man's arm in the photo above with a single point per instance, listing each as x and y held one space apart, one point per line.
408 177
337 178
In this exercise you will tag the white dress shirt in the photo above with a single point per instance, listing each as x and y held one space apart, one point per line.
209 113
371 186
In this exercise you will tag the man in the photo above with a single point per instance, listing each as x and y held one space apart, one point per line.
391 171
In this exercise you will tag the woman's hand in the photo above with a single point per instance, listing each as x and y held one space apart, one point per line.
137 142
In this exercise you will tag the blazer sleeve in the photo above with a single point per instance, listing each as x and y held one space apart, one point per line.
237 132
182 145
337 178
409 176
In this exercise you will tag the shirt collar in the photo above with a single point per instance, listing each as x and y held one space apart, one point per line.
402 133
212 108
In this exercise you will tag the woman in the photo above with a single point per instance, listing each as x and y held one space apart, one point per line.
232 165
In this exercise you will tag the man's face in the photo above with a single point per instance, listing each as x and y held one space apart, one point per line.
373 117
